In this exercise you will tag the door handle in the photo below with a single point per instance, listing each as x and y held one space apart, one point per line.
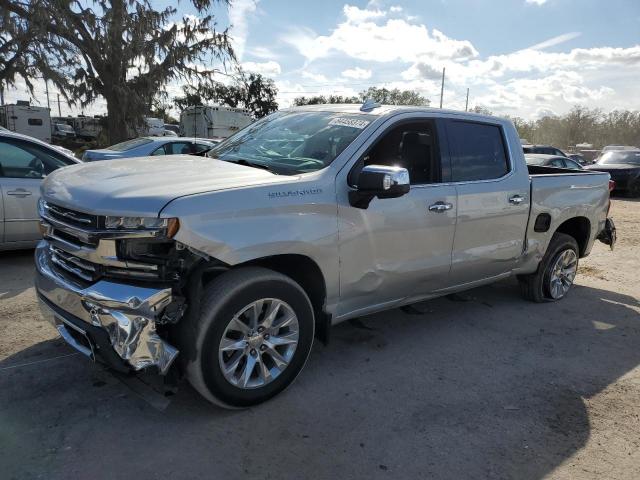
440 207
20 192
516 199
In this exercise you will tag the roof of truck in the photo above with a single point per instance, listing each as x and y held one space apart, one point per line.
385 109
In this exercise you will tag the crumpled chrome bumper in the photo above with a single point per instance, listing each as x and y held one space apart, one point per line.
127 313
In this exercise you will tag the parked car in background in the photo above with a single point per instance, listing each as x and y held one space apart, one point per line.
577 157
24 162
543 149
624 168
150 146
610 148
154 127
225 268
173 127
62 131
169 133
87 128
551 161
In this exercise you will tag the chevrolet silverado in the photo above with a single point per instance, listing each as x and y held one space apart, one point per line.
224 268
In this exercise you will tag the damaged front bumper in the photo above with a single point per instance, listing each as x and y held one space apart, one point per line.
111 321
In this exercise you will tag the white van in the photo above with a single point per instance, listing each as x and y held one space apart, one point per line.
27 120
213 121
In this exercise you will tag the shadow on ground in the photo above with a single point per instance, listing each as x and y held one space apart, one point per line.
12 266
491 387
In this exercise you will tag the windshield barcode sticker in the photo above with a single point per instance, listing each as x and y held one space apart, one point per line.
349 122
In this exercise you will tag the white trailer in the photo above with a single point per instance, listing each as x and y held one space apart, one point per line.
87 128
213 121
27 120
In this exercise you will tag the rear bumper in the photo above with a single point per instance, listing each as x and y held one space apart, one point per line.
608 235
108 321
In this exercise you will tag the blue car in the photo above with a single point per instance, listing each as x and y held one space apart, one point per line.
150 146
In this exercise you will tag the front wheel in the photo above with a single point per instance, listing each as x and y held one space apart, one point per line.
556 272
253 337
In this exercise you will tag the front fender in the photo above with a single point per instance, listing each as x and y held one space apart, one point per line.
240 225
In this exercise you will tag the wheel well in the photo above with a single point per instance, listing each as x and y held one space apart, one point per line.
308 275
580 229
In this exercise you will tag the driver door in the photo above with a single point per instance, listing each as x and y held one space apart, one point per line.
22 167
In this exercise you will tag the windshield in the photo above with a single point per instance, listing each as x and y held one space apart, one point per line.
292 142
129 144
620 156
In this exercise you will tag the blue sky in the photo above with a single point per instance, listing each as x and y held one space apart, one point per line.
519 57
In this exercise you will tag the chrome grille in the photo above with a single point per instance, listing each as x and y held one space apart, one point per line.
72 217
81 268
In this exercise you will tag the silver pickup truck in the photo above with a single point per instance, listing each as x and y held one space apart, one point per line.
224 268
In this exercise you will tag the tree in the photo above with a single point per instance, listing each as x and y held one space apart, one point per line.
394 96
124 51
320 99
253 92
23 47
481 110
380 95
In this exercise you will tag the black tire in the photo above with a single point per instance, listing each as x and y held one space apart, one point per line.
225 296
634 189
536 286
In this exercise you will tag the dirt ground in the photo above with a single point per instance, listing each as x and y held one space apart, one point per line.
480 386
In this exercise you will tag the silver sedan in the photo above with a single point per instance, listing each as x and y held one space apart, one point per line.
150 146
24 162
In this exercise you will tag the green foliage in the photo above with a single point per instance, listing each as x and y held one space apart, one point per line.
124 51
381 95
583 125
253 92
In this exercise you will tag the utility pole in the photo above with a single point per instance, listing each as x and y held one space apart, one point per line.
46 89
1 92
442 88
59 112
466 105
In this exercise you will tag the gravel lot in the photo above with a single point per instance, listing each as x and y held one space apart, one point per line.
481 386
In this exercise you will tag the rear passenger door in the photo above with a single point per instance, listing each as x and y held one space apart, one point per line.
493 201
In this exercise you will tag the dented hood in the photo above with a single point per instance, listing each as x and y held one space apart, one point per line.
142 186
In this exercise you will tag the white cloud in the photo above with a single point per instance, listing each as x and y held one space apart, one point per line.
358 15
269 69
357 73
565 37
316 77
536 2
239 12
396 39
263 53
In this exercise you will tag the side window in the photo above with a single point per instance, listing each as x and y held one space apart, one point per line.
413 146
35 121
176 148
25 160
557 162
572 164
159 151
201 147
478 151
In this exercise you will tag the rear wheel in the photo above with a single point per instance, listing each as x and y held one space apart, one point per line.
252 339
634 189
556 272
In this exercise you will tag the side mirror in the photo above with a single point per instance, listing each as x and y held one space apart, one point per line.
379 181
